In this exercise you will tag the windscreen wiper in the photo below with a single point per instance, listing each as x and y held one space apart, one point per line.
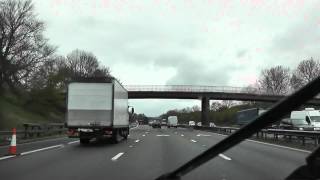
278 111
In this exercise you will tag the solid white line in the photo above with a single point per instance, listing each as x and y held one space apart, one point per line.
275 145
193 140
163 135
7 157
182 135
73 142
203 135
225 157
117 156
143 135
42 149
137 140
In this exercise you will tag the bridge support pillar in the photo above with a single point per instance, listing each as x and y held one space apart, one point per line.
205 111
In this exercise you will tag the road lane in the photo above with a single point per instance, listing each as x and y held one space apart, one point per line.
149 153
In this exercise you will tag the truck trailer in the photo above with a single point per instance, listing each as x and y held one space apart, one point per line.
97 108
246 116
172 121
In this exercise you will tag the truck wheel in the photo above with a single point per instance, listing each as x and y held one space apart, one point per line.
84 141
125 133
115 136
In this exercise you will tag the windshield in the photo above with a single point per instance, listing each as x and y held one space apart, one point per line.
299 122
131 89
315 118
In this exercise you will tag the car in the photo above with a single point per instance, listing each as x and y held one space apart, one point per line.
211 124
156 123
192 123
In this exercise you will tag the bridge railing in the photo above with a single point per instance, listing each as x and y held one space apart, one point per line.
190 88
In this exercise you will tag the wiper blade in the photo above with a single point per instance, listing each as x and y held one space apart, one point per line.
278 111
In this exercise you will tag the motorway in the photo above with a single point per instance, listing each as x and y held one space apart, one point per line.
146 154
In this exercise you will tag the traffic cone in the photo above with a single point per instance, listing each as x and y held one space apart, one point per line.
13 144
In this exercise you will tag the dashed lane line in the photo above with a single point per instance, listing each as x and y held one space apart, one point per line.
73 142
116 157
225 157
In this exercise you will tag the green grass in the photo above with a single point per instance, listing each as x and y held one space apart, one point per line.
13 113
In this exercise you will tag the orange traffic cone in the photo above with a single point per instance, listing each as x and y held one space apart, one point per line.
13 145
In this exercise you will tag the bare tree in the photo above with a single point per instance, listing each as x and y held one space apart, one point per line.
22 44
85 64
275 80
215 106
306 71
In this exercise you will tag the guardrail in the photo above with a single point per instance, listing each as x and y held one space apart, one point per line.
33 130
274 134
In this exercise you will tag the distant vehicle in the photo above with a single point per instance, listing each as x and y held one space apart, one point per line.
163 122
211 124
172 121
246 116
199 124
192 123
97 108
150 122
156 123
307 120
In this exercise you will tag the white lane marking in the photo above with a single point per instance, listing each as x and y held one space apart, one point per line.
203 135
225 157
163 135
42 149
182 135
193 140
275 145
73 142
130 146
7 157
204 145
117 156
143 135
137 140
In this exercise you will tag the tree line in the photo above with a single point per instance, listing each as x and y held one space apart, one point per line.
33 76
27 59
281 80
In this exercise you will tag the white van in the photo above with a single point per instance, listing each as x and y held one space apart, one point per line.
309 116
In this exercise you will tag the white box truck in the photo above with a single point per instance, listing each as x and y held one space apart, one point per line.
97 108
172 121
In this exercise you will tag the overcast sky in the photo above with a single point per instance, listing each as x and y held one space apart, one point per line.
185 42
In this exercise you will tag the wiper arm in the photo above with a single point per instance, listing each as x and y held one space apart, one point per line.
278 111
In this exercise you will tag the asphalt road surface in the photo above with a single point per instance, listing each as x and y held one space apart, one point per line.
147 154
